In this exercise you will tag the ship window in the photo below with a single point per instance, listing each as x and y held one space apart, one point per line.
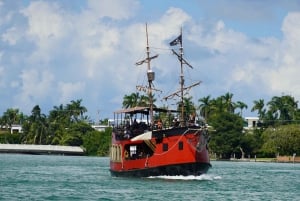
132 151
165 147
180 145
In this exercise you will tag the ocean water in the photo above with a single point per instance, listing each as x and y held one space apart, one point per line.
46 177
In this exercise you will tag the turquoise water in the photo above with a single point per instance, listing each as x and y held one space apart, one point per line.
38 177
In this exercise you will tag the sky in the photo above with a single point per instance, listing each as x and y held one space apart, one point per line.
56 51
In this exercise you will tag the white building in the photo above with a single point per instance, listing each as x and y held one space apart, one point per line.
100 127
16 128
251 122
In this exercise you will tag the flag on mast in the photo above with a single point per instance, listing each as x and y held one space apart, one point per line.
176 41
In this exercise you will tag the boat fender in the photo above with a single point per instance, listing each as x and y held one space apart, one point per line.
126 154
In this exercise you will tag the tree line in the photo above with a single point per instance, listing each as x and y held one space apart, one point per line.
64 125
277 130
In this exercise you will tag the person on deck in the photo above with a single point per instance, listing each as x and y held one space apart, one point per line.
175 122
159 124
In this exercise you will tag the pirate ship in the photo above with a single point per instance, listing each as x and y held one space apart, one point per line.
143 146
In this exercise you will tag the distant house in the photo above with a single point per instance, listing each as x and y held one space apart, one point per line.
251 123
100 127
16 128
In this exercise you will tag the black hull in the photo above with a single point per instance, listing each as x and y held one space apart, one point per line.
195 169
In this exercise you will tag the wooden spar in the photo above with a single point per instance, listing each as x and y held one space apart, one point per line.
182 59
150 76
184 88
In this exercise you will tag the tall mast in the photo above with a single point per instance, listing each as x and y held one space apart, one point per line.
150 76
181 80
180 92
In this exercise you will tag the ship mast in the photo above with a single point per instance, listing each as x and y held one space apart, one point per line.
150 76
180 92
181 80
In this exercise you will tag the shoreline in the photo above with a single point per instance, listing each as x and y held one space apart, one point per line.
280 159
41 149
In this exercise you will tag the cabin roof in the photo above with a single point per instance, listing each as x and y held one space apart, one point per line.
139 109
133 110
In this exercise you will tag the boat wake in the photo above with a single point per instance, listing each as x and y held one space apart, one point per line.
203 177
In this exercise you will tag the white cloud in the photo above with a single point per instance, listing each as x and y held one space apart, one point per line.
35 87
97 47
67 91
291 29
117 9
11 36
171 22
90 53
2 74
45 20
14 84
222 39
47 26
285 77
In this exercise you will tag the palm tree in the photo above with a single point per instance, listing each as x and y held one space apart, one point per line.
143 101
205 106
35 113
275 106
59 119
242 106
259 106
189 105
229 105
131 100
10 116
58 114
187 108
283 108
135 99
38 126
217 105
290 107
76 110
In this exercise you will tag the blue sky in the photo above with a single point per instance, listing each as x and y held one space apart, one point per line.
52 52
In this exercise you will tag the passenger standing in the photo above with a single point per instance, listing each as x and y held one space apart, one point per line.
159 124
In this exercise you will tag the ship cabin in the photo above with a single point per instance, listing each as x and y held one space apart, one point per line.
133 129
131 122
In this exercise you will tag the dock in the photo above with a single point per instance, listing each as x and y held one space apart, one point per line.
41 149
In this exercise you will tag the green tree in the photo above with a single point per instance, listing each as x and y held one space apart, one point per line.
226 139
228 103
131 100
59 115
217 105
97 143
205 107
241 105
11 116
35 128
135 99
75 110
189 107
283 107
259 107
283 140
251 142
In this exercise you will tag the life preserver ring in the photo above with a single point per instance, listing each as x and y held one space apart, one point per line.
126 154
